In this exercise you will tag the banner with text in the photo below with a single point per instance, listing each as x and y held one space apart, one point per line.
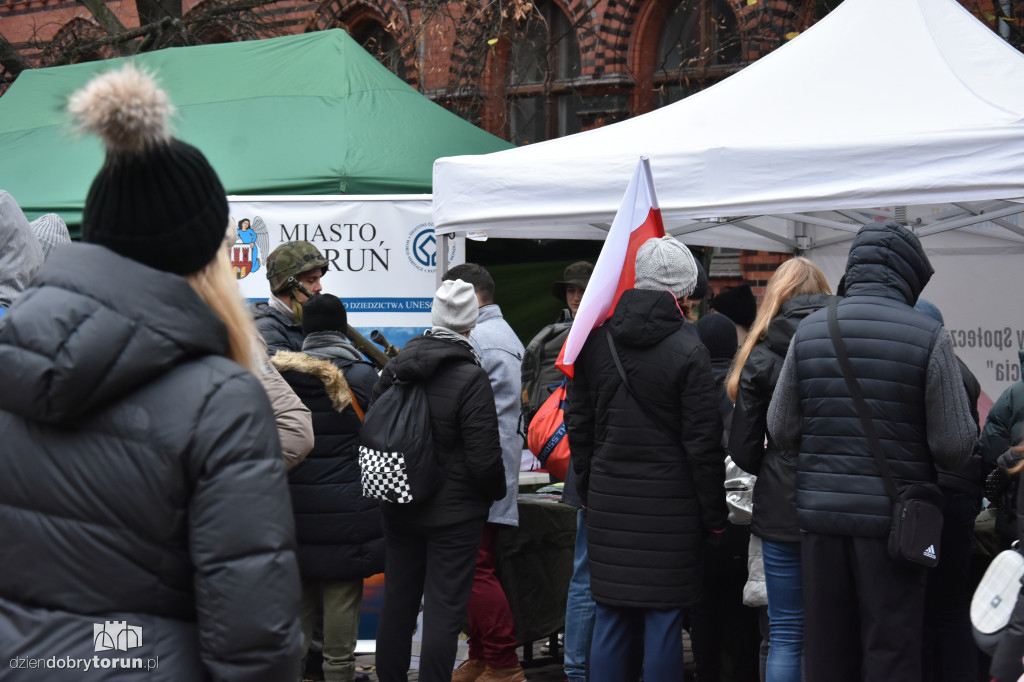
382 253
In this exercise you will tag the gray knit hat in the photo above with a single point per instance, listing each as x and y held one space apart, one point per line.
455 306
51 231
665 264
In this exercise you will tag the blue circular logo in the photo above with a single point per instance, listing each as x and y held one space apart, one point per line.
421 248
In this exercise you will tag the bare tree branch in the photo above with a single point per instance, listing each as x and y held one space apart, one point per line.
104 16
11 59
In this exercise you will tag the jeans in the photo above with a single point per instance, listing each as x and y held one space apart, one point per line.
342 600
617 648
492 633
580 610
782 577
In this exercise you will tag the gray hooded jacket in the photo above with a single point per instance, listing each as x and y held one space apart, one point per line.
20 252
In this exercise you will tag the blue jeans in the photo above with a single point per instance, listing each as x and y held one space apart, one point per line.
617 648
782 579
580 609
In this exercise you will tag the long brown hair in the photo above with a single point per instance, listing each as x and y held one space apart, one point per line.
217 286
795 277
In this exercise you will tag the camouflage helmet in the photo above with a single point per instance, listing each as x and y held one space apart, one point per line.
290 260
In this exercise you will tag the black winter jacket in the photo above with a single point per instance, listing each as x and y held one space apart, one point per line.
142 480
774 516
338 531
651 474
280 331
464 424
904 363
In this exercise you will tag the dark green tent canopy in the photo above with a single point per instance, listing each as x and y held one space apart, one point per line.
305 114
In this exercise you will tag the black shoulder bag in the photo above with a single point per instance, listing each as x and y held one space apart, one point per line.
916 507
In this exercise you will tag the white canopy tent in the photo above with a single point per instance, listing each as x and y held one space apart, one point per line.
910 105
882 103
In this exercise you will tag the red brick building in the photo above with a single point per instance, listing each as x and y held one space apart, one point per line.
525 70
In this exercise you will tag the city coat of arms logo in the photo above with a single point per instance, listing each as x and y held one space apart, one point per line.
250 249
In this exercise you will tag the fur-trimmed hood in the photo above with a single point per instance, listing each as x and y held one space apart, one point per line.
332 378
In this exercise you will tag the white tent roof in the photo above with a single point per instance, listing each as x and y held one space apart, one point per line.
882 103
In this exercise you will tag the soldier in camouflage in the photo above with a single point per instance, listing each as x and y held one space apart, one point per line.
294 270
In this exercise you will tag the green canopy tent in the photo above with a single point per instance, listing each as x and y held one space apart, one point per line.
305 114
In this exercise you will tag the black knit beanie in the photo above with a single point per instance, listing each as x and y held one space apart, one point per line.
701 290
324 313
738 304
718 334
156 199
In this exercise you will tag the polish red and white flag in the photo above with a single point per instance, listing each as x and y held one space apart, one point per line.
637 220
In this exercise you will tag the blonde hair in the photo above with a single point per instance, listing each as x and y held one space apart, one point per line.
795 277
217 286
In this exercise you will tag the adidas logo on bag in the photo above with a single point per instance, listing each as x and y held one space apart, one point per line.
930 552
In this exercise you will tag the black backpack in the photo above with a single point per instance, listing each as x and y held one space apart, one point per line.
396 455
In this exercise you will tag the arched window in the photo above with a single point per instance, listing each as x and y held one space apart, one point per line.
376 40
699 45
544 61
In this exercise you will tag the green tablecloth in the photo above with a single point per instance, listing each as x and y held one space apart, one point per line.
535 565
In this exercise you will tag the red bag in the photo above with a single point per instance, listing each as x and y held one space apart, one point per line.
547 436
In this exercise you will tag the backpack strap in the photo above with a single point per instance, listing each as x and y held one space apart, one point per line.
355 405
625 382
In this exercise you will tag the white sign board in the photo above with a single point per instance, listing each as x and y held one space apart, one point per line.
381 250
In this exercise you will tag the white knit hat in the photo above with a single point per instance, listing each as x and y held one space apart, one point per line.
51 231
455 306
665 264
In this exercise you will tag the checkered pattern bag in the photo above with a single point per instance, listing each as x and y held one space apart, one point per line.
383 476
396 455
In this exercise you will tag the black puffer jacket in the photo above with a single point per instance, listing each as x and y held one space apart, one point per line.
651 474
338 531
142 480
775 491
892 348
280 331
464 423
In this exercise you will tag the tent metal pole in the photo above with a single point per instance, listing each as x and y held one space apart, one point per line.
441 257
834 240
853 215
971 220
767 235
821 222
998 221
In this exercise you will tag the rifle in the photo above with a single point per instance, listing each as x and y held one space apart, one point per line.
371 351
380 340
361 343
